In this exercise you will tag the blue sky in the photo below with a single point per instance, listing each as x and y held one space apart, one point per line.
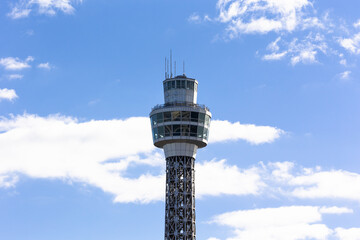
78 79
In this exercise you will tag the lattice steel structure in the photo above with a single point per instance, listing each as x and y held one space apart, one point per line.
180 127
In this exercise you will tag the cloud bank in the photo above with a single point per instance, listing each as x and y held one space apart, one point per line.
289 223
100 152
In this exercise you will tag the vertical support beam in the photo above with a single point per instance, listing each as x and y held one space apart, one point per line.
180 198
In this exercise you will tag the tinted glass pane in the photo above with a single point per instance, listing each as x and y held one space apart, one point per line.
155 133
190 85
177 83
165 86
194 116
201 117
185 130
206 133
207 120
161 132
160 117
153 120
185 116
176 130
175 116
167 116
193 130
182 84
200 132
168 130
172 84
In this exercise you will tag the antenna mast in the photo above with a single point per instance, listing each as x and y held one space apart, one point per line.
184 68
165 69
171 64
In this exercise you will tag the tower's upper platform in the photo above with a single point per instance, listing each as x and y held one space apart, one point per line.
180 89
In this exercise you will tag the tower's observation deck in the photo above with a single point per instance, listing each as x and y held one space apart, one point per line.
180 127
180 119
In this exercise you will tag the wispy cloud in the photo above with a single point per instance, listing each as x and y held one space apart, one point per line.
345 75
8 181
274 56
11 63
351 44
303 35
299 51
44 66
23 8
263 16
196 18
7 94
15 76
357 24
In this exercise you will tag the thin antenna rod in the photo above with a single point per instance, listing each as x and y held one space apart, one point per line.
184 68
165 69
175 69
171 63
167 64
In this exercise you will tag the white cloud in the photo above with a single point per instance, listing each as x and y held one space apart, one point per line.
44 66
99 153
357 24
19 12
217 178
263 16
227 131
195 18
300 51
11 63
290 223
281 170
348 234
15 76
305 56
23 8
345 75
351 44
273 46
274 56
285 178
7 94
8 181
327 184
343 62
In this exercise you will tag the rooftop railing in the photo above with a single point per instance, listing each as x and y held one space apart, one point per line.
180 104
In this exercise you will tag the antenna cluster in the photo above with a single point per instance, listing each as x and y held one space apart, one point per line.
169 68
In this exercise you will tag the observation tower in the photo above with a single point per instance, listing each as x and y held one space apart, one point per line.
180 127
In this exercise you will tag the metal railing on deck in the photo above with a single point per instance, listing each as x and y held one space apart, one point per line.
180 104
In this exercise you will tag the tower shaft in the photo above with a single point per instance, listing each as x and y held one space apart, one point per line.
180 127
180 198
